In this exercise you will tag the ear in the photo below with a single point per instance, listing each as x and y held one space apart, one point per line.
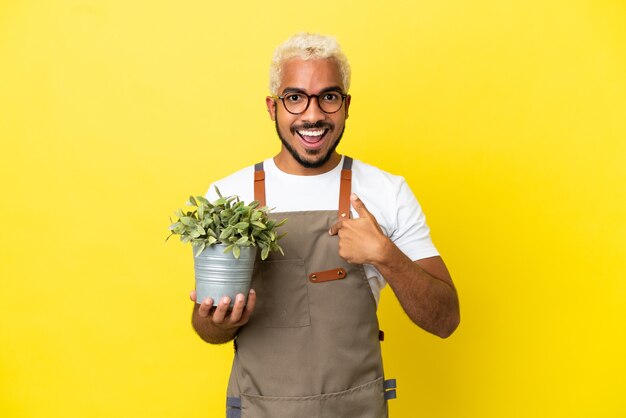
270 102
347 104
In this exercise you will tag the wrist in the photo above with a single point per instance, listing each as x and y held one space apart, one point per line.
385 254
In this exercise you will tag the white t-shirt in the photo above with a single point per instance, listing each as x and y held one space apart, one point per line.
386 196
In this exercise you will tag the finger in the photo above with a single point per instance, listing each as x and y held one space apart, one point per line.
192 295
249 305
335 228
359 206
221 310
205 307
237 311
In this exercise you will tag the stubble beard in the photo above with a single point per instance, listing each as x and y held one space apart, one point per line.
305 163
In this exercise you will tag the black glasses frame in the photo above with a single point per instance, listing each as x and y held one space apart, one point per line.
308 101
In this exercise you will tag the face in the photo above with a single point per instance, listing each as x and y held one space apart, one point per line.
310 138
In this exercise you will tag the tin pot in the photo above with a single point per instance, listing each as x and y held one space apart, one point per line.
218 274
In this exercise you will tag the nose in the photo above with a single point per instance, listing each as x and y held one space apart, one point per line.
313 112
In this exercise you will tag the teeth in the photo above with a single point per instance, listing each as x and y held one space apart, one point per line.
311 133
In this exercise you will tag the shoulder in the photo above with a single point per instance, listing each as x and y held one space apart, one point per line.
377 186
389 198
367 173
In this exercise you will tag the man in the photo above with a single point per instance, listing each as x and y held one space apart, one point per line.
307 339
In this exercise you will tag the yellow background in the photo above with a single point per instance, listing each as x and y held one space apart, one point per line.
507 118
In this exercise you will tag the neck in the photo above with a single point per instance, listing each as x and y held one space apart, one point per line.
286 163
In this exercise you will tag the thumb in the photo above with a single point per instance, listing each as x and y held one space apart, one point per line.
359 206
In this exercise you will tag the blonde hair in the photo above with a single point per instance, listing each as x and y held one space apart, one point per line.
308 46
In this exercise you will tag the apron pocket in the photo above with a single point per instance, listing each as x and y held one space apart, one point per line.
365 401
282 294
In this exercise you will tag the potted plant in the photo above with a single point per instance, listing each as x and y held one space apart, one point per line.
225 236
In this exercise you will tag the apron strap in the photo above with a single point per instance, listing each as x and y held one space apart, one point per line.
233 407
390 389
345 186
259 183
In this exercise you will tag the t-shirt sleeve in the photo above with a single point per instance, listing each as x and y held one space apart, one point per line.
411 234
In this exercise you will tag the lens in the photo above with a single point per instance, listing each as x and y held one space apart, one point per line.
330 102
296 102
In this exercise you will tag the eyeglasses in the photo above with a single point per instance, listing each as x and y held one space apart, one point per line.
297 103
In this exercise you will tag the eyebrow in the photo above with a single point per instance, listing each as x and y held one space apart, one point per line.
297 90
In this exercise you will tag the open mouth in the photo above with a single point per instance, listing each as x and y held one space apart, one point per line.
312 138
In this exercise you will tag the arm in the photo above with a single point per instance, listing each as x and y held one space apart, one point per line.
217 325
424 287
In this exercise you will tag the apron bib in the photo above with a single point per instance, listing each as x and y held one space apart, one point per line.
311 348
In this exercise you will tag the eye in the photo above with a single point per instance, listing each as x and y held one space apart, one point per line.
331 96
294 98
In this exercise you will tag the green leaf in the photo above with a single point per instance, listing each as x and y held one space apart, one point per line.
212 240
227 232
200 248
258 224
242 240
186 220
225 215
218 191
202 200
265 252
192 200
281 223
256 215
211 233
229 248
241 225
236 251
234 219
201 211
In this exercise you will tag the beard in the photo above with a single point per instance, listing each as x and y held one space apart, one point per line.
305 163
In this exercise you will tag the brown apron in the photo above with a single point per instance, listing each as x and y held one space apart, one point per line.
311 348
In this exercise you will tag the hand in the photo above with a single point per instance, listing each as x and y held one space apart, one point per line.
220 317
361 240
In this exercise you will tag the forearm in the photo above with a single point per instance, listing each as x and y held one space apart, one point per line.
208 331
431 302
425 290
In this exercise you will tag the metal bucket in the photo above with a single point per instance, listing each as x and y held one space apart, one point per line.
219 274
